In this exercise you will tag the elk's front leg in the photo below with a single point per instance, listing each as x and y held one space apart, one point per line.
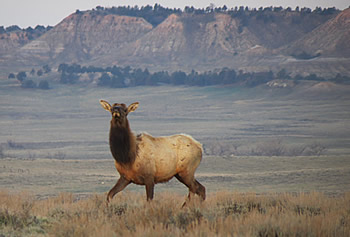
119 186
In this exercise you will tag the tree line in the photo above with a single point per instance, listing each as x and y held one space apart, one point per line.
39 29
119 77
156 14
22 77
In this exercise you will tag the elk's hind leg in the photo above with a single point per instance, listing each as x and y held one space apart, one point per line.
193 185
149 189
119 186
200 190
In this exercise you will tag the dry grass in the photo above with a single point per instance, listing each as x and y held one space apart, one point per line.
222 214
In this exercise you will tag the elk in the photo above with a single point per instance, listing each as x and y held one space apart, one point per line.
147 160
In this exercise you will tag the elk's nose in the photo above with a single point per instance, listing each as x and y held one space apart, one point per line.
116 114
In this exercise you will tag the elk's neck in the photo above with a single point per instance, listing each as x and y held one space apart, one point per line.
122 143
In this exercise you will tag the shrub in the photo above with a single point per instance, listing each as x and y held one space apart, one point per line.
21 76
44 85
39 73
2 155
11 76
14 145
266 148
314 149
28 84
305 56
269 148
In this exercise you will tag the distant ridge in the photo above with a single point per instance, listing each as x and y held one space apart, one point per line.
12 38
83 36
249 40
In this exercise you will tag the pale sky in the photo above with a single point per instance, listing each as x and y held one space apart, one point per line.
26 13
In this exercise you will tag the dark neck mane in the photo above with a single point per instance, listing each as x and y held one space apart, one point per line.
122 144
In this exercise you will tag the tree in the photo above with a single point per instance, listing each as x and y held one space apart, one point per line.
62 67
13 28
42 28
21 76
118 82
227 76
312 77
44 85
104 80
189 9
282 74
74 68
116 71
306 10
178 78
11 76
28 84
70 78
46 68
39 72
140 76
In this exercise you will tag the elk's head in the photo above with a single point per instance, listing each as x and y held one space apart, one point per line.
119 111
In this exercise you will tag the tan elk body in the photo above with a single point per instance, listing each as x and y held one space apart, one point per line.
148 160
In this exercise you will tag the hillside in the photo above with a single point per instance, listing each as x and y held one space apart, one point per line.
276 29
330 39
13 37
185 41
83 36
248 40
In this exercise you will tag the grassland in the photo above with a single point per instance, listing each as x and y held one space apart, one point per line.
48 177
222 214
276 163
68 122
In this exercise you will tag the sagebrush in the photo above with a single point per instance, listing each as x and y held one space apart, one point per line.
275 147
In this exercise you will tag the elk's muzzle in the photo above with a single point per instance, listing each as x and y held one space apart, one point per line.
116 114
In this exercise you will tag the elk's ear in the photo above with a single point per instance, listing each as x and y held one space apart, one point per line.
133 107
106 105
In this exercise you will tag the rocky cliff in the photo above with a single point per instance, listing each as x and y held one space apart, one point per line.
331 39
187 41
82 37
13 37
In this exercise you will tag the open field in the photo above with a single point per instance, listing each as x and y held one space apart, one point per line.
255 139
68 122
47 177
